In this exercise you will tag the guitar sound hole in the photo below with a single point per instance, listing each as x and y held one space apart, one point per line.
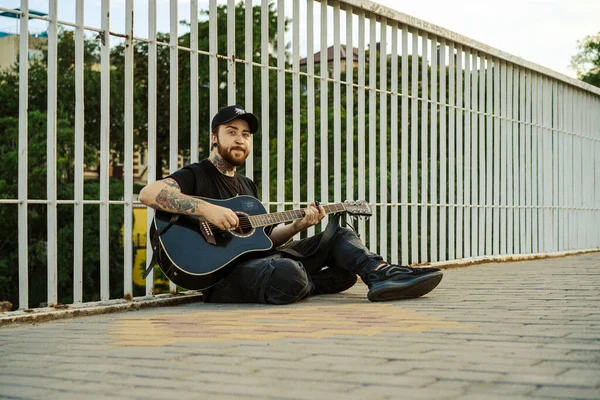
245 228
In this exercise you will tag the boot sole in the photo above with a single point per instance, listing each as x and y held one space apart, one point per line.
398 290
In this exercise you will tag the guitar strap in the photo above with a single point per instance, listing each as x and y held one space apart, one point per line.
155 242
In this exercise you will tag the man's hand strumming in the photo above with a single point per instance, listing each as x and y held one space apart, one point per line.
223 218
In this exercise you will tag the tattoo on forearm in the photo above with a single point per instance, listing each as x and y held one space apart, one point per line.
172 182
169 200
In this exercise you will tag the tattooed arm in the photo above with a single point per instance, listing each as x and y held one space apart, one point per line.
165 195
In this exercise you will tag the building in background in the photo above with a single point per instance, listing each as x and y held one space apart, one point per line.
10 37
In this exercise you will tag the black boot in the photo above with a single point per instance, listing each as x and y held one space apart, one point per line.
394 282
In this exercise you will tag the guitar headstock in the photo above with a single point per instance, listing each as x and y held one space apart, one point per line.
359 208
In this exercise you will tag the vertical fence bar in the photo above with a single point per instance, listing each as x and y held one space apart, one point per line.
577 186
194 115
424 148
550 156
556 163
23 155
248 78
459 153
104 150
575 171
585 171
78 164
523 129
433 230
296 103
482 145
528 162
538 176
562 224
466 234
265 94
128 156
596 132
502 118
571 168
213 70
383 139
310 106
152 69
544 172
510 162
362 167
590 184
337 102
569 179
173 97
515 134
394 144
324 106
581 169
414 148
404 151
497 231
489 146
443 153
451 152
51 187
589 176
280 105
350 194
373 131
173 88
231 81
535 139
474 157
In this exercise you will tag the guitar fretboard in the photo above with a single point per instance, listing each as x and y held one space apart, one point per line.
288 216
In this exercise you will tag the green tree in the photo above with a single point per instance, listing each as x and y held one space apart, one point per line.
37 216
587 61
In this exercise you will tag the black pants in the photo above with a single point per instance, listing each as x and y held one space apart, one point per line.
282 278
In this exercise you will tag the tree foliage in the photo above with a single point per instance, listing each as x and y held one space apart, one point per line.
37 216
587 61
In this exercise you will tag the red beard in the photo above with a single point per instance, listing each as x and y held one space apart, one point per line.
227 155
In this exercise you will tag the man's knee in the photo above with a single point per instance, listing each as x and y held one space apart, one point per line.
288 282
345 233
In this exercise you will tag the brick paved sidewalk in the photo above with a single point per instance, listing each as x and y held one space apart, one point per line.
514 330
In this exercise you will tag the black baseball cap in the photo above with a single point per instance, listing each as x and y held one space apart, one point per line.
230 113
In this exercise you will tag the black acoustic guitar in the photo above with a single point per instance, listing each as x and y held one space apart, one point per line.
195 254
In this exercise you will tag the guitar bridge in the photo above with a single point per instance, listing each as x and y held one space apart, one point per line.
207 233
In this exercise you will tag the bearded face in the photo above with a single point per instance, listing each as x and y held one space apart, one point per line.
234 142
234 155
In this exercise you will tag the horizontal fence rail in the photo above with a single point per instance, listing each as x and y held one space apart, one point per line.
464 152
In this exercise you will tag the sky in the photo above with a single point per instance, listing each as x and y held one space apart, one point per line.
544 32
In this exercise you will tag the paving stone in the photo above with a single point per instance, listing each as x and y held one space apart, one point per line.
368 392
567 393
493 331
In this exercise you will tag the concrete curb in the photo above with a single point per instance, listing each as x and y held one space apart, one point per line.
467 262
107 307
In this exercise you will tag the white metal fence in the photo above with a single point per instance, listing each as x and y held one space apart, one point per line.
464 151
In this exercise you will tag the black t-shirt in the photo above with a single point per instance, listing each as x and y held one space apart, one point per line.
205 180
